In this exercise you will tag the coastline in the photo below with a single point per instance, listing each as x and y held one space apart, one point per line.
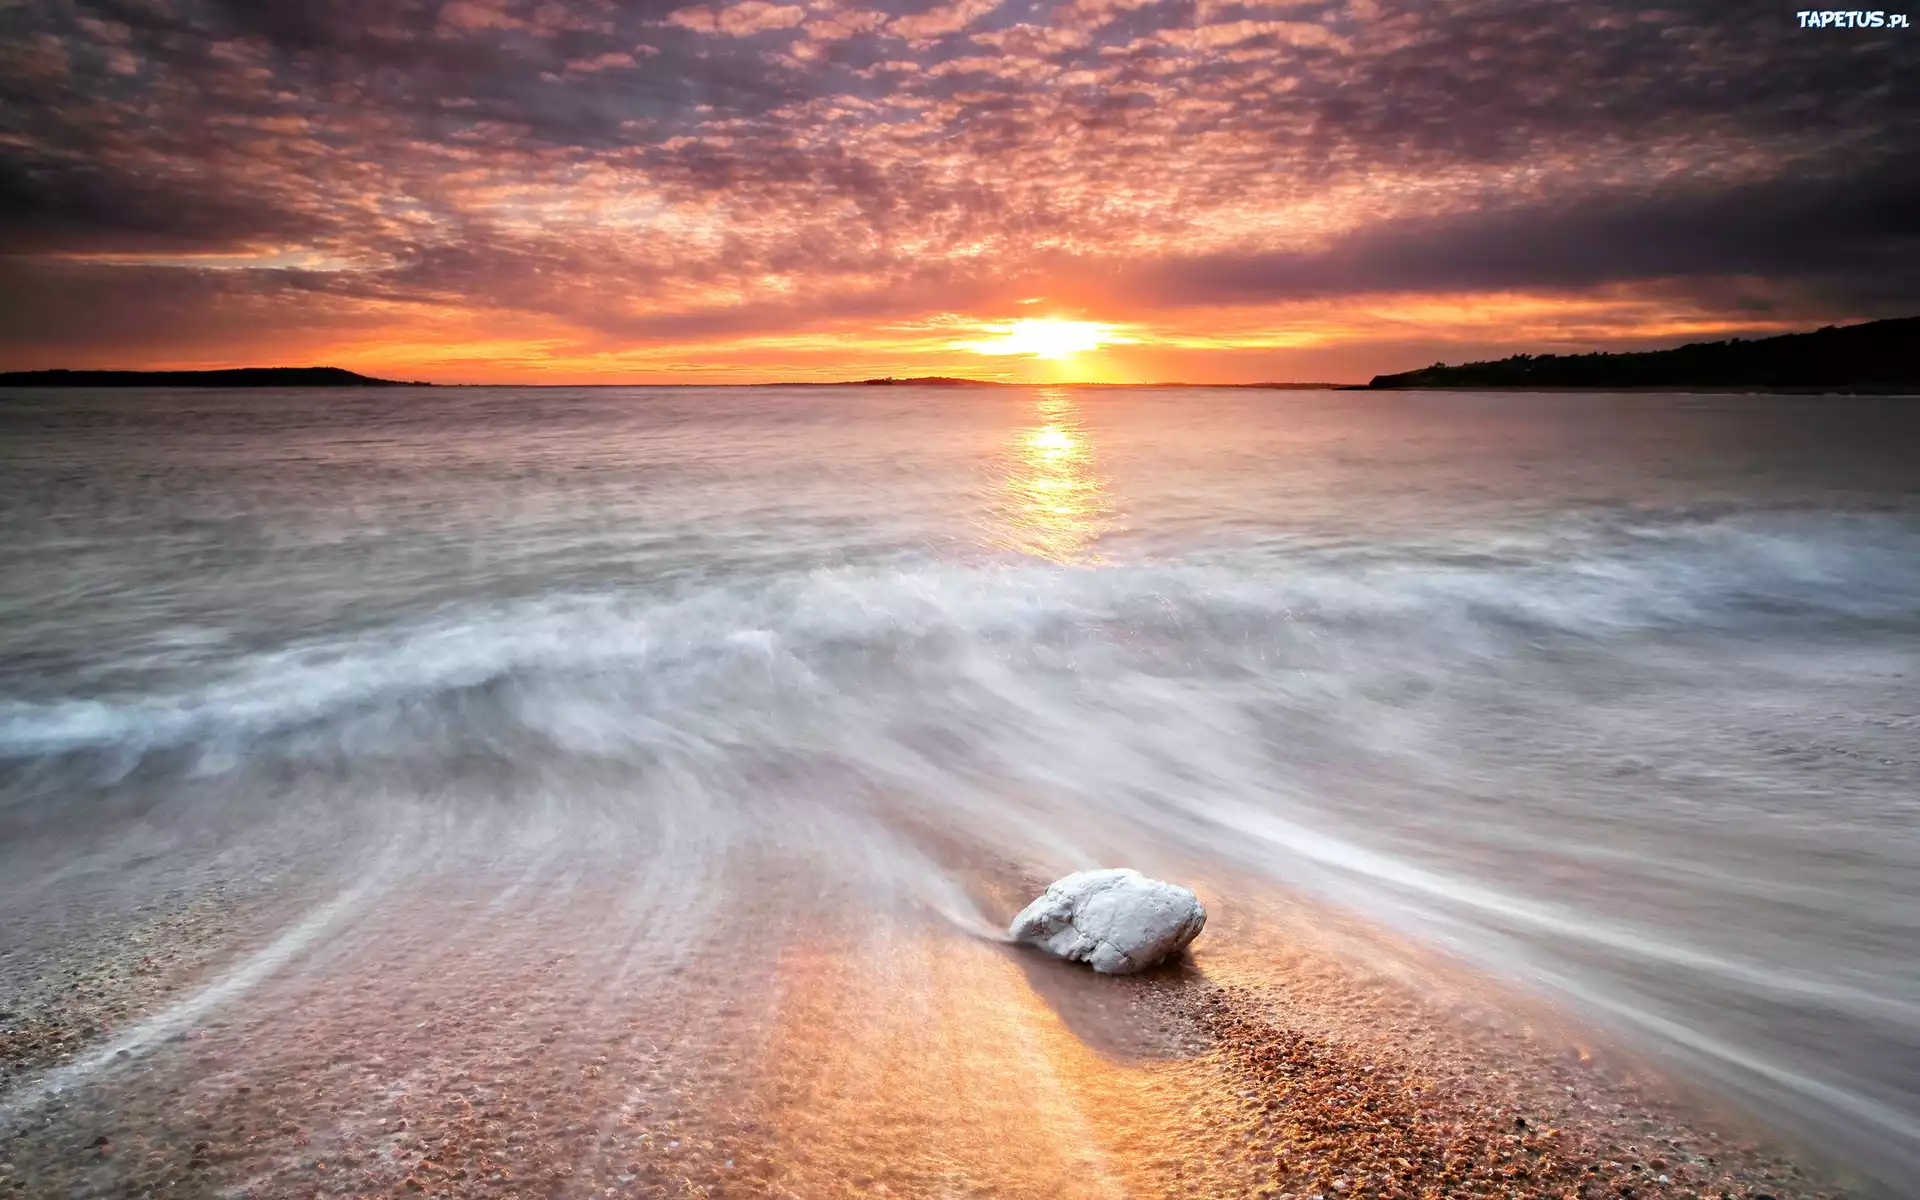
512 1047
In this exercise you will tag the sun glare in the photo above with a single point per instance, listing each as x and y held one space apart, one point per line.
1045 337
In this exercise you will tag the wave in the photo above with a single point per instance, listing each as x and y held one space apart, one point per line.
605 671
1455 737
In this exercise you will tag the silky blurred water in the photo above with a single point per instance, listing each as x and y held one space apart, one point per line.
1615 696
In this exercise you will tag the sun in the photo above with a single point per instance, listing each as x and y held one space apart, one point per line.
1045 337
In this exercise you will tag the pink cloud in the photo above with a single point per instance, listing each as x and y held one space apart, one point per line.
603 62
739 20
469 16
838 26
1232 33
922 28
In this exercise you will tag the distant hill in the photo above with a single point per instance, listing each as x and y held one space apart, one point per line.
1879 356
252 377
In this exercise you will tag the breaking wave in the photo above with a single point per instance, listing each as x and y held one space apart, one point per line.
1538 752
762 660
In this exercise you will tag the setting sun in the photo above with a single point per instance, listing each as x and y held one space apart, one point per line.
1046 337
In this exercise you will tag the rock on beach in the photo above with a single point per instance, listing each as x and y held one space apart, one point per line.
1117 921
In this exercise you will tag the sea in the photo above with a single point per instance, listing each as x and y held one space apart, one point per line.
1615 698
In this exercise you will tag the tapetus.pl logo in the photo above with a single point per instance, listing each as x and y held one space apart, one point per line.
1851 19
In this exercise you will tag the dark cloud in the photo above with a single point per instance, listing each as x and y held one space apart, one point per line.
56 206
1856 237
123 316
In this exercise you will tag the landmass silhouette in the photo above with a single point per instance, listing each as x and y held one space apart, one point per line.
249 377
1879 356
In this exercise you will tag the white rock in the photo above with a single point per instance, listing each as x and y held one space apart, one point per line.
1117 921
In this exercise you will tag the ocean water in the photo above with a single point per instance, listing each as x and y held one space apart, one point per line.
1614 697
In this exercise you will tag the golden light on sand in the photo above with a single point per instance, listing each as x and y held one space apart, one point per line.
1045 337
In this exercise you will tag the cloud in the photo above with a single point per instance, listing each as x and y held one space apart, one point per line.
1235 33
1855 237
925 27
66 207
652 170
740 19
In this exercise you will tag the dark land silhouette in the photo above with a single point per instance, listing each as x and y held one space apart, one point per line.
1879 356
250 377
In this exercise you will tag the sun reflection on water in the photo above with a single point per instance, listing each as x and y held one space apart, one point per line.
1055 505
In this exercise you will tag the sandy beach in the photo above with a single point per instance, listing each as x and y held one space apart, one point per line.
727 1022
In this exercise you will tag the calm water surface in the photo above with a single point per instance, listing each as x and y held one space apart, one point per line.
1615 696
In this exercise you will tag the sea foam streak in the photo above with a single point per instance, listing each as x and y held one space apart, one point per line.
825 627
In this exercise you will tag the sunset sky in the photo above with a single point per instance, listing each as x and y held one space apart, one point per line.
1119 190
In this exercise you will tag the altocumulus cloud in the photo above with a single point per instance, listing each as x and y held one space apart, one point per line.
191 177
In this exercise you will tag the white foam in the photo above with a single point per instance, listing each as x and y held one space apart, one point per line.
241 978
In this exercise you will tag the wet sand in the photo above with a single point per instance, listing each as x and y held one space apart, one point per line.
713 1020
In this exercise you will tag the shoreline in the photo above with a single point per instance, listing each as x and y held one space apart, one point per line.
899 1061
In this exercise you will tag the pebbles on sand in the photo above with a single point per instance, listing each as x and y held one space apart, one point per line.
1117 921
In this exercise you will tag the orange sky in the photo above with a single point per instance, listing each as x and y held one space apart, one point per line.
555 191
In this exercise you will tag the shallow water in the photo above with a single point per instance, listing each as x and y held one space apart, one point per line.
1613 696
